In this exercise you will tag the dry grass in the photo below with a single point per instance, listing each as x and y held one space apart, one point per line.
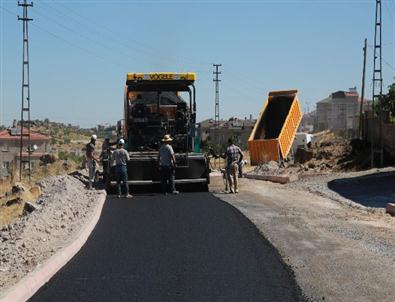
31 191
75 143
9 213
5 186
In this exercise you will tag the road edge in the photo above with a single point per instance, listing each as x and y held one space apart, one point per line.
33 281
290 270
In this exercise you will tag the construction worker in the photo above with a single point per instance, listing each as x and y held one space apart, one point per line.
233 156
121 157
167 165
105 156
91 161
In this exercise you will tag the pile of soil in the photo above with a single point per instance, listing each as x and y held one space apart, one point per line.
329 152
46 225
270 168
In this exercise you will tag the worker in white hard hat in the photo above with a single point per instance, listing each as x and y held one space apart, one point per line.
91 160
121 158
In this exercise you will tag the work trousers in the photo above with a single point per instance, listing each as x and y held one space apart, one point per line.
91 164
167 178
121 173
232 172
241 165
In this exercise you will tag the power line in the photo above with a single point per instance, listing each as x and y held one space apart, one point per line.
109 37
384 60
72 44
131 44
85 37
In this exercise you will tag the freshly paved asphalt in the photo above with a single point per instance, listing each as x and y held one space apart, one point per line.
369 190
190 247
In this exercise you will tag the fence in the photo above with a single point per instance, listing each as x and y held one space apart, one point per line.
372 131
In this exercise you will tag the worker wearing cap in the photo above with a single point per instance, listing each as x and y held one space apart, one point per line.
91 160
121 158
167 165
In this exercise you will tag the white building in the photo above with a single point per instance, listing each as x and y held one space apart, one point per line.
339 111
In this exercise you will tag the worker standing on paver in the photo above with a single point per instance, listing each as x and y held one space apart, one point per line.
167 165
91 161
234 155
121 157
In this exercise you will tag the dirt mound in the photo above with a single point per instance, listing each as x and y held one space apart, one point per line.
329 152
44 226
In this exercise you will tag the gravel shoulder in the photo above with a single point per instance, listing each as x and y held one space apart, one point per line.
61 211
338 252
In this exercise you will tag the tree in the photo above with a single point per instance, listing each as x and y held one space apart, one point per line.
387 102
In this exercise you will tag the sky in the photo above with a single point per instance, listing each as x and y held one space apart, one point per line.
81 51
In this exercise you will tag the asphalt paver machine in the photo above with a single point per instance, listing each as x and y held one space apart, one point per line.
156 104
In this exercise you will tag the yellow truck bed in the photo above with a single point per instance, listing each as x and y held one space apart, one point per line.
275 129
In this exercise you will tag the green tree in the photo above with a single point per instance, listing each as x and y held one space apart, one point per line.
387 102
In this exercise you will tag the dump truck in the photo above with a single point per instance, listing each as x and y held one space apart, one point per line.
275 129
156 104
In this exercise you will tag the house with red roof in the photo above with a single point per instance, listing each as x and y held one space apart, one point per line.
10 140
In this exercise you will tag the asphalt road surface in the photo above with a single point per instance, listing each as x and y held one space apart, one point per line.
366 190
190 247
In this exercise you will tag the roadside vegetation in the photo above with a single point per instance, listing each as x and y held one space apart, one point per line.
387 104
66 156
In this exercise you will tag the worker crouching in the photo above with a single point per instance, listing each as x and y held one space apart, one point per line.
167 165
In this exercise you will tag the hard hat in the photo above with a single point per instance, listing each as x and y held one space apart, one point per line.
94 137
121 142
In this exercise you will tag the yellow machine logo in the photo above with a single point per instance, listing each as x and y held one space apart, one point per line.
161 76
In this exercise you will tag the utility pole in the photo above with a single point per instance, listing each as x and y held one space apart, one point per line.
25 109
363 88
377 79
216 80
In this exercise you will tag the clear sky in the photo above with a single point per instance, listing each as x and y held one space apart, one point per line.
80 52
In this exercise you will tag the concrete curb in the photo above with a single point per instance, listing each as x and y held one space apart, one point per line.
33 281
283 179
390 209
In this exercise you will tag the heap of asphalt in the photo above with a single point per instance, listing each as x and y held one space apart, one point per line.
190 247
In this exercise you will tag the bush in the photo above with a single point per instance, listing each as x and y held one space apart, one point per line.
62 155
387 102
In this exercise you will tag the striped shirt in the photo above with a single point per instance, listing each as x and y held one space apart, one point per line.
233 154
